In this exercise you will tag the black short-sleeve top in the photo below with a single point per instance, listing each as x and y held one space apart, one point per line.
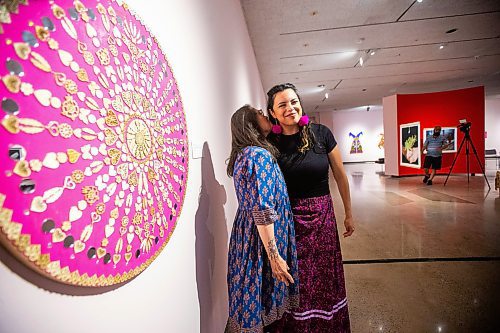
306 175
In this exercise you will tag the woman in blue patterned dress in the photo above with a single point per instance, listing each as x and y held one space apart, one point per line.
262 261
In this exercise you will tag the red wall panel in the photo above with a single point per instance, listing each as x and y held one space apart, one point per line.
446 109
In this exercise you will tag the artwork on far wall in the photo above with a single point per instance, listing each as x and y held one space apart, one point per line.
450 133
314 118
356 147
410 145
380 144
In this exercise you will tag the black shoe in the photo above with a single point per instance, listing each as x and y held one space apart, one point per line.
429 182
426 178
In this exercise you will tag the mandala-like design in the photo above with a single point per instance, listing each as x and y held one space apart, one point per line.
93 143
139 139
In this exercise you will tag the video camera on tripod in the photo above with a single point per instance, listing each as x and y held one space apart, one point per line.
464 125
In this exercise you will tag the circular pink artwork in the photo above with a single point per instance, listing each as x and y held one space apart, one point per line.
93 142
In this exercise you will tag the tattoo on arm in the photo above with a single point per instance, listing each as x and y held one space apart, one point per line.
272 250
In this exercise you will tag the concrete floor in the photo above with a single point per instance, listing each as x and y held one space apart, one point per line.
422 258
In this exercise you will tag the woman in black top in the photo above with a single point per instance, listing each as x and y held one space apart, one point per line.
308 152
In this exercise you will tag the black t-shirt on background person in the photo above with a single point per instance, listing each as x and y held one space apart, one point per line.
306 175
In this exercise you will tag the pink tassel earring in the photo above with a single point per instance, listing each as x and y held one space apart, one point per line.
303 121
276 129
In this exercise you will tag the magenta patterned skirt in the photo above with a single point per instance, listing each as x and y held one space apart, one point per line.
323 301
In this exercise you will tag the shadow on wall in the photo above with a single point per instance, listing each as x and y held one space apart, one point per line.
211 249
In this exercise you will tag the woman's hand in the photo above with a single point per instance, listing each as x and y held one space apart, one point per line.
349 226
278 265
343 185
280 270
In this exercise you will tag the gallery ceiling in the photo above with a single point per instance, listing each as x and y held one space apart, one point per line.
407 46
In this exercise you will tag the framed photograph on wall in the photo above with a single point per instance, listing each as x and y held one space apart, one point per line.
410 145
450 133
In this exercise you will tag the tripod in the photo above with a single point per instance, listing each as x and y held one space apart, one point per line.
468 142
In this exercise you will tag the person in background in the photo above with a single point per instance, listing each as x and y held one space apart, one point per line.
434 145
262 260
308 153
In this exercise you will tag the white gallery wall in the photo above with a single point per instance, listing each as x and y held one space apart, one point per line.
367 126
184 290
390 115
492 129
492 123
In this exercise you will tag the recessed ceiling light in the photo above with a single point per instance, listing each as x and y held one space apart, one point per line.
306 44
361 40
326 95
364 89
300 64
321 86
470 81
451 31
314 13
372 52
361 61
441 46
420 0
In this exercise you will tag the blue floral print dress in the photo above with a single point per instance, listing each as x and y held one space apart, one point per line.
256 299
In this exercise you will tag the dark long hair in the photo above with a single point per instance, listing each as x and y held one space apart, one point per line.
245 132
307 139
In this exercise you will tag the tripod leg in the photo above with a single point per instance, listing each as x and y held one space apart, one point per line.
480 165
454 160
467 158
